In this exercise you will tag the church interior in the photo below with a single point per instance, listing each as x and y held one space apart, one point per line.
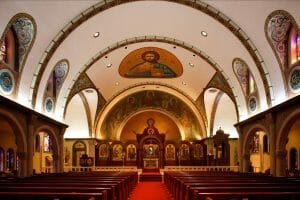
149 86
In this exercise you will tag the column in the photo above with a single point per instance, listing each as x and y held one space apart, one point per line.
246 162
30 146
281 162
22 164
60 153
272 141
240 148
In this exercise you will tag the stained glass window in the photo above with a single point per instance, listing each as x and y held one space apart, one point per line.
3 51
1 160
47 143
294 46
10 160
252 85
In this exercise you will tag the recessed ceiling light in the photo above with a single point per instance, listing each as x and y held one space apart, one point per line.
174 47
89 91
191 64
96 34
204 34
183 83
125 47
117 83
108 65
105 57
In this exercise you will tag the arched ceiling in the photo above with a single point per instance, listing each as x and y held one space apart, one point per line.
65 31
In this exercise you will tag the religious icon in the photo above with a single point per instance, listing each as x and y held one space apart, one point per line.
150 67
170 152
150 62
103 151
117 152
131 152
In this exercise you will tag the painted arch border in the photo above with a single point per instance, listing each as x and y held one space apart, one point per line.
9 24
199 5
101 116
293 21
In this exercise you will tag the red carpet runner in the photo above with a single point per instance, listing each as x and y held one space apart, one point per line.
150 191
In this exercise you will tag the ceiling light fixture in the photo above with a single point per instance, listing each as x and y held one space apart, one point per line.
96 34
183 83
108 65
204 34
191 64
117 83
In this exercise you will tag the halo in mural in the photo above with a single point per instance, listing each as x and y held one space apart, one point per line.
252 103
294 79
150 62
7 81
49 104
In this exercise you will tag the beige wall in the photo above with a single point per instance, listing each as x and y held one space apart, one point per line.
7 140
260 160
293 141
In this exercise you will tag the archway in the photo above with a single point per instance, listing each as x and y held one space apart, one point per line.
255 157
13 145
287 140
47 150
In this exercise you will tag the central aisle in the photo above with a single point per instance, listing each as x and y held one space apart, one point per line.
150 191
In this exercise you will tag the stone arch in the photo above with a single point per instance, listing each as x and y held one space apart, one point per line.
20 135
55 144
285 129
245 148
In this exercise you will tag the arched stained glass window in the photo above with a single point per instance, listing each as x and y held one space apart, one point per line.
247 83
294 46
47 143
10 160
54 84
25 32
3 51
1 160
283 36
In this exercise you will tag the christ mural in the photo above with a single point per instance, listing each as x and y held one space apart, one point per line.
150 62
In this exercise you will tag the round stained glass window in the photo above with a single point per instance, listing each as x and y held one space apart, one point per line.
49 104
252 103
294 79
7 81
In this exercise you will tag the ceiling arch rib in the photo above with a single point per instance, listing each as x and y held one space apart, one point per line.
167 40
166 90
203 7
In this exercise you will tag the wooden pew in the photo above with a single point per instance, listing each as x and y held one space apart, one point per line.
52 196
